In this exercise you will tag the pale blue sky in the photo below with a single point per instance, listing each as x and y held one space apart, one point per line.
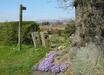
36 10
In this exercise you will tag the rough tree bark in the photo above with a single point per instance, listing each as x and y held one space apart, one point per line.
87 48
89 21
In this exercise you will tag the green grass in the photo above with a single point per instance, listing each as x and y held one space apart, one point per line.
13 62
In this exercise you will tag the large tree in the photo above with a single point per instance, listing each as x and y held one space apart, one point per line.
87 48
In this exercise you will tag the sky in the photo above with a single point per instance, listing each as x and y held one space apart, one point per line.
36 10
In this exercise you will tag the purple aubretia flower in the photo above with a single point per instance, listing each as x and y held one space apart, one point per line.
45 65
63 67
52 54
55 69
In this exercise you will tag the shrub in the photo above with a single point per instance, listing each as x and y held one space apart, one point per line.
9 32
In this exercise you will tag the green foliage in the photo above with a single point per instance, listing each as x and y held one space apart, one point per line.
70 28
9 32
13 62
27 39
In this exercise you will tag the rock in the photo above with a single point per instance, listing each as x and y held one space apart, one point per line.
35 67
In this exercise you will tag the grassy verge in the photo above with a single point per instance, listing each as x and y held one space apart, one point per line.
13 62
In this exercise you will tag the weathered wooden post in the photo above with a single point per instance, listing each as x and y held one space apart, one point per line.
36 39
20 26
45 39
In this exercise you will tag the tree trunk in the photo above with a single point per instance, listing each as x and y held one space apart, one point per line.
87 48
90 21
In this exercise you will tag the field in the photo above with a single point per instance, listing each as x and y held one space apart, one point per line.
13 62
